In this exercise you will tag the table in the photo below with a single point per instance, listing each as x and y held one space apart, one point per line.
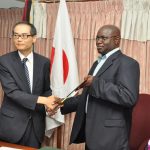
15 146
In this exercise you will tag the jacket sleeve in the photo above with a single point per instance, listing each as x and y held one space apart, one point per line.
47 89
70 105
122 90
12 91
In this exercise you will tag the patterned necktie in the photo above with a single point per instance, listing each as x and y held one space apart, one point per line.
26 70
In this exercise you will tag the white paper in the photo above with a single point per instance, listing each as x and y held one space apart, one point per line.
8 148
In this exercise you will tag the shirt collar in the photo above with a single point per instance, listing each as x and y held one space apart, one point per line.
30 56
108 54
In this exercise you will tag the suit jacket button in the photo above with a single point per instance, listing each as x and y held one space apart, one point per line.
30 117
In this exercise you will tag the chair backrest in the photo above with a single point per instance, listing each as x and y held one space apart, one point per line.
1 95
140 129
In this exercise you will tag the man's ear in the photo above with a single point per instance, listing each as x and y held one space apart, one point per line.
117 40
34 38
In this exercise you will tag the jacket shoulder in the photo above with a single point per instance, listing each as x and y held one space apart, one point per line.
7 56
129 59
41 57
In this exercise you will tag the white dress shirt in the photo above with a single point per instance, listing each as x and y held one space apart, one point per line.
29 64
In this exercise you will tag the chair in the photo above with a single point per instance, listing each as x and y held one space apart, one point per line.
1 94
140 129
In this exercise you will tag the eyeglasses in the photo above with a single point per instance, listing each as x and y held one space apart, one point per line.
103 38
23 36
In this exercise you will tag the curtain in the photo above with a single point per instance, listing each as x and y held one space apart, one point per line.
136 20
86 18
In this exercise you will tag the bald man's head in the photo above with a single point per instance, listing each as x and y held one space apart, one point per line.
112 29
108 38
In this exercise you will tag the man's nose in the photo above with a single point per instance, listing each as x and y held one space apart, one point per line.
19 38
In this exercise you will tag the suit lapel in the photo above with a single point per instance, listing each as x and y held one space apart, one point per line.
108 63
18 67
36 68
93 68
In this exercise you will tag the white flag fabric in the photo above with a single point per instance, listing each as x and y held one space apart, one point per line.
64 72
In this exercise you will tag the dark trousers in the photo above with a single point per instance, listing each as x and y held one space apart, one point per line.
29 138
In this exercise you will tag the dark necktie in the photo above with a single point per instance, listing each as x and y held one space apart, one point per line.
26 70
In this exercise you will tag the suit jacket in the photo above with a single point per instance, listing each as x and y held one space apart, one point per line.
112 95
19 105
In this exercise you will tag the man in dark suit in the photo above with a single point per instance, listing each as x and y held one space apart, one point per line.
104 109
26 88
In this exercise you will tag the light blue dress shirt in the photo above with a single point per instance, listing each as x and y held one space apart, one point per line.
101 60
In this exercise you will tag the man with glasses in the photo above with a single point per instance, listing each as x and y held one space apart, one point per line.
24 75
104 109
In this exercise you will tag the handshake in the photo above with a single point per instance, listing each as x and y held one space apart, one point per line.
53 103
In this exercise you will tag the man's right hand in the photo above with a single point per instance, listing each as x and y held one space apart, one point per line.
50 102
87 82
58 104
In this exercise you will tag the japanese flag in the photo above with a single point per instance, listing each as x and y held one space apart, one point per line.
64 72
